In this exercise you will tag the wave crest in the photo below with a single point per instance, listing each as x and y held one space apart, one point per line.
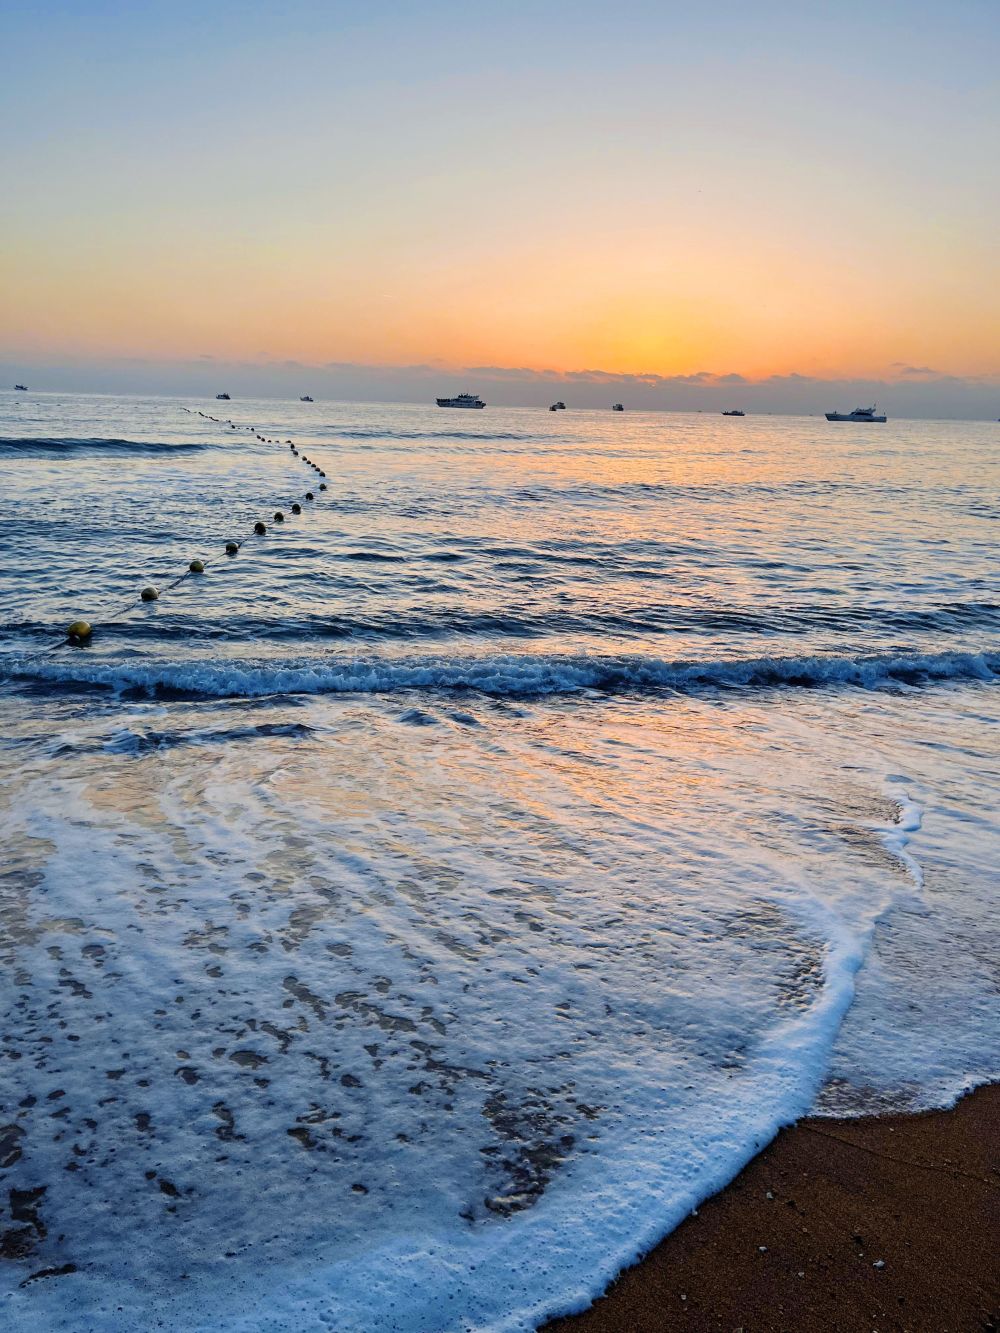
505 676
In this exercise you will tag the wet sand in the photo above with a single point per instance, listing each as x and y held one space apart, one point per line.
877 1225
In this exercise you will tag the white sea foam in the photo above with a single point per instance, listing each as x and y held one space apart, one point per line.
355 1053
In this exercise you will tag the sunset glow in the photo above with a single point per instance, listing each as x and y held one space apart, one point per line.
426 189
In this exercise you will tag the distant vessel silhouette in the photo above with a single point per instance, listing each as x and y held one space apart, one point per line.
223 397
734 412
22 387
305 398
859 414
618 407
463 400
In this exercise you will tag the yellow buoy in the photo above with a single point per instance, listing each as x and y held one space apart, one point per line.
79 632
197 567
149 594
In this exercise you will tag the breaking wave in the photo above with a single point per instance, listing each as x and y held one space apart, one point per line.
503 676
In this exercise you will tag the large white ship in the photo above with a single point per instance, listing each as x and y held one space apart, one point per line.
859 414
463 400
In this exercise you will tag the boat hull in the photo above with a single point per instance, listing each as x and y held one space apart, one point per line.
447 402
850 416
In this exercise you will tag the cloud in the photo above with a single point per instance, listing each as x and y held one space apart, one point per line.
918 372
915 391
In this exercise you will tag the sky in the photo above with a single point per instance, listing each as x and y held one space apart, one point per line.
652 198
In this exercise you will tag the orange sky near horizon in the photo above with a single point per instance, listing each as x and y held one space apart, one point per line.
665 212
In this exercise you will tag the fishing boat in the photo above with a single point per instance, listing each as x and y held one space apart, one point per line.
734 412
305 398
560 406
859 414
463 400
222 397
618 407
22 387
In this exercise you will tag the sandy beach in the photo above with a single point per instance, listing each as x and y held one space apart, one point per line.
885 1224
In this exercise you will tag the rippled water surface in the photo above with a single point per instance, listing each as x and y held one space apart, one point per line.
410 918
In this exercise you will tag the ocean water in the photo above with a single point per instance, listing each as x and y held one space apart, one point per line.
408 921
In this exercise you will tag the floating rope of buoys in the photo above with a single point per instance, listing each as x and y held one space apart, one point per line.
80 632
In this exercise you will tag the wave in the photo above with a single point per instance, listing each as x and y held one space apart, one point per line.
451 623
48 446
432 435
504 676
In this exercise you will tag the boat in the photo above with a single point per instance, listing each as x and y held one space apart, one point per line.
618 407
553 408
734 412
305 398
22 387
560 406
463 400
859 414
223 397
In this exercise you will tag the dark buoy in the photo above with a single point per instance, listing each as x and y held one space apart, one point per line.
197 567
322 485
279 516
260 529
232 548
149 594
322 473
79 632
296 509
310 496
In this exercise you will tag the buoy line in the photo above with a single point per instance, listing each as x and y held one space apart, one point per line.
80 632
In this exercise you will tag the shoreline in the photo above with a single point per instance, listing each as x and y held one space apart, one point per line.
883 1225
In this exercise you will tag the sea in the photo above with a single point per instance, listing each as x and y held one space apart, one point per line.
411 918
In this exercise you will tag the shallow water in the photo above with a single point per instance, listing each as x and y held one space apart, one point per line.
412 918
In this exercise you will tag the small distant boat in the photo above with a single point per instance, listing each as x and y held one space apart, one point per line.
734 412
305 398
463 400
859 414
618 407
223 397
553 408
22 387
560 406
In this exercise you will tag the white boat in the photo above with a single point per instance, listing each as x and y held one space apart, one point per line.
463 400
859 414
